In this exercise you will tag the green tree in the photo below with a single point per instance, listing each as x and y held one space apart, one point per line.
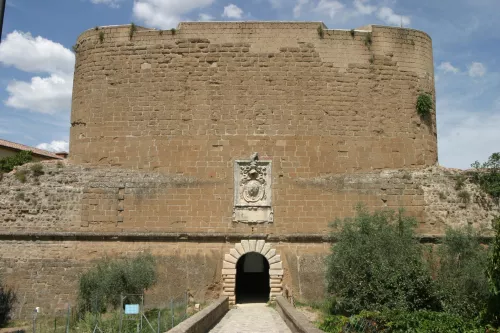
462 284
487 175
376 264
7 164
493 274
7 299
102 286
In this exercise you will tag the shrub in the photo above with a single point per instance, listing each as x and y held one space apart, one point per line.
492 313
101 36
487 175
173 31
21 175
377 263
37 169
321 32
461 281
102 286
459 182
7 299
424 104
368 40
428 321
132 30
464 196
7 164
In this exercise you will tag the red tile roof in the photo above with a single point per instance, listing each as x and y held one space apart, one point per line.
35 151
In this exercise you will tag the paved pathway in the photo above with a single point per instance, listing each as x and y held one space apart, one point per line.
251 318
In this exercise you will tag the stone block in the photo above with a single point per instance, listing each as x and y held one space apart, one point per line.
271 253
234 253
252 244
230 258
246 245
227 264
260 245
275 259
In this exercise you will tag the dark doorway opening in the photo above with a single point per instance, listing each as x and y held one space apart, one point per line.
252 279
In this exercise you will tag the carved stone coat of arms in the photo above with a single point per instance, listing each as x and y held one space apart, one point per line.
252 191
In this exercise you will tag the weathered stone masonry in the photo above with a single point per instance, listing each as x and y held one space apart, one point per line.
158 122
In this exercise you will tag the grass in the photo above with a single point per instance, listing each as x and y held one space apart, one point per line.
464 196
368 40
133 29
321 32
21 175
37 169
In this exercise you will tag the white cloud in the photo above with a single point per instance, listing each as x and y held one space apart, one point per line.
232 11
45 95
55 146
477 69
35 55
297 10
447 67
362 7
110 3
387 15
330 7
50 94
165 13
205 17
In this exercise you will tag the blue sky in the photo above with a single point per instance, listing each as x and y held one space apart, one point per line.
36 60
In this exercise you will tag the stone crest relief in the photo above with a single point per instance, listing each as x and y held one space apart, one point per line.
252 191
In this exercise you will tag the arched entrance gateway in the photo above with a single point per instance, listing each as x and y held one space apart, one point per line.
252 271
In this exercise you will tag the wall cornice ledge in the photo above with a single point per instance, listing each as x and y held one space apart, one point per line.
186 237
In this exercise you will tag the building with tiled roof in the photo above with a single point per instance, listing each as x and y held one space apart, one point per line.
8 148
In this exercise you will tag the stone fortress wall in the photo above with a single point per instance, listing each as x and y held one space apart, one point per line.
193 102
160 121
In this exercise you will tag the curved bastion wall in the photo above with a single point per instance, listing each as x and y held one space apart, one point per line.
194 100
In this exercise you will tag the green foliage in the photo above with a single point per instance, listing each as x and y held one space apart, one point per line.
487 175
37 169
334 324
429 322
101 36
173 31
377 263
7 164
102 286
368 40
461 281
424 104
321 32
132 30
464 196
492 313
422 321
21 175
459 182
353 33
7 299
